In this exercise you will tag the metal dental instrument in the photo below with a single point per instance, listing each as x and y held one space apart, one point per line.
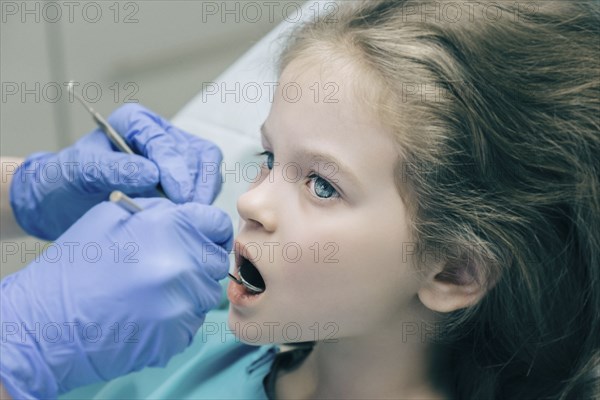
128 204
112 135
248 285
125 201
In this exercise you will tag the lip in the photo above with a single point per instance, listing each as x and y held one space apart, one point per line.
238 296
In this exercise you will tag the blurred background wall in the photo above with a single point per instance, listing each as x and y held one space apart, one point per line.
155 52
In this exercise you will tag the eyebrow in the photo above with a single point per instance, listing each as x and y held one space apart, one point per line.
318 156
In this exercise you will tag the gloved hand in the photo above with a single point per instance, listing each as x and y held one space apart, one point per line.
115 293
50 191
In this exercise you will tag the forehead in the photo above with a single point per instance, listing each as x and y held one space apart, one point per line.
320 104
329 93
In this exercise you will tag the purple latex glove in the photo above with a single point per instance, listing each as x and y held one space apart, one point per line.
50 191
126 292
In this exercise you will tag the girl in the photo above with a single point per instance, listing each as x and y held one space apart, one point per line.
477 141
443 208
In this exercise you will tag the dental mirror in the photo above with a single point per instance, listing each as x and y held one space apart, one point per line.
252 280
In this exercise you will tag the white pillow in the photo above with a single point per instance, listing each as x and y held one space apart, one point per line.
234 124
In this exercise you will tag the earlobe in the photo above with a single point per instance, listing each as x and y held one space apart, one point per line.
452 287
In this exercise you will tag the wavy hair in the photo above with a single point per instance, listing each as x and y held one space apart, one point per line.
497 115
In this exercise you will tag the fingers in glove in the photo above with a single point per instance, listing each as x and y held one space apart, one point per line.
147 134
103 172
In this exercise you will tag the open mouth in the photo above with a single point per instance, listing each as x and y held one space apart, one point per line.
251 278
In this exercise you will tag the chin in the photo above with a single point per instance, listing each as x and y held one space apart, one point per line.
246 330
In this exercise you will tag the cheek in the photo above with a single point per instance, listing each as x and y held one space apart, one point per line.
376 264
342 273
351 277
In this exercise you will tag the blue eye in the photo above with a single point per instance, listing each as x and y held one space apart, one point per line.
322 188
270 158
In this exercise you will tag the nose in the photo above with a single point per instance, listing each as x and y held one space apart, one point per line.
259 204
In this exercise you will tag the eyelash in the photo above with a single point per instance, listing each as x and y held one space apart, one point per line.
313 176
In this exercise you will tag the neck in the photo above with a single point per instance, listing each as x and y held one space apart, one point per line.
391 362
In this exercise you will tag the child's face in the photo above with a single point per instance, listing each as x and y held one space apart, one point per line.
331 248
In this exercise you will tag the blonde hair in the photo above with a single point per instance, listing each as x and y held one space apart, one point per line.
501 167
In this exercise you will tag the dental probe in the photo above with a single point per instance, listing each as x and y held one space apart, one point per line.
127 203
110 132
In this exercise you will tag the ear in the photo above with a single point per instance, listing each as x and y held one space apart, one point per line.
453 285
